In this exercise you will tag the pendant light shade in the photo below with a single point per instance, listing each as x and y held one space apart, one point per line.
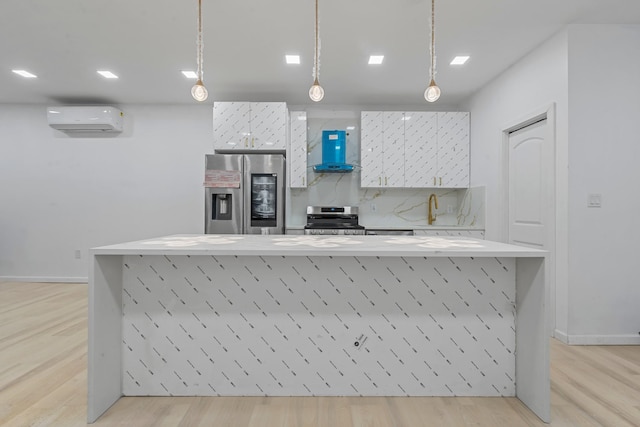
433 91
316 93
199 91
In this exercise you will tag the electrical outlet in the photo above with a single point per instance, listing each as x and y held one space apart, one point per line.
374 208
594 201
78 254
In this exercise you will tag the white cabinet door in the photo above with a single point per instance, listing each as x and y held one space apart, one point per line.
421 149
415 149
249 125
371 155
393 149
268 125
453 150
231 125
298 149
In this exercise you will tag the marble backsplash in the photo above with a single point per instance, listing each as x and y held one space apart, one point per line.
379 207
391 208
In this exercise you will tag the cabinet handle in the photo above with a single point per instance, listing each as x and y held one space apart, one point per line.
434 180
246 142
385 180
303 181
252 145
441 181
379 180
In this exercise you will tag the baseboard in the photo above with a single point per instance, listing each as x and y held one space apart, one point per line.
627 339
44 279
561 336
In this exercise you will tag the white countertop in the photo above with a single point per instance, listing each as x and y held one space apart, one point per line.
296 245
409 227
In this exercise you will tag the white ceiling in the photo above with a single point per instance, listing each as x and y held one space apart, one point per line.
148 42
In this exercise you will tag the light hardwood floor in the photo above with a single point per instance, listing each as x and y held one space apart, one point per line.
43 375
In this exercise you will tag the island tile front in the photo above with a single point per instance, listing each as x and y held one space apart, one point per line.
193 320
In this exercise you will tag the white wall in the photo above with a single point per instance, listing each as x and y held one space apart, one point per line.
62 193
59 194
534 83
591 74
604 149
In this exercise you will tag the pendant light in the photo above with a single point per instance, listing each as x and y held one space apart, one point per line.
198 91
433 91
316 93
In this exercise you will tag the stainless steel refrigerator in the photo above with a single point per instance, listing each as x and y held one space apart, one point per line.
244 194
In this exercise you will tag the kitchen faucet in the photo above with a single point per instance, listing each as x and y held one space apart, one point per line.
432 216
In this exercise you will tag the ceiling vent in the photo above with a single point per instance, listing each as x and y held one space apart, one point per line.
85 119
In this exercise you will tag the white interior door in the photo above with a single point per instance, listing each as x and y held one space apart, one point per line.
529 166
530 163
530 178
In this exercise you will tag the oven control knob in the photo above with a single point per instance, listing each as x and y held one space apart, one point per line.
347 232
334 232
320 231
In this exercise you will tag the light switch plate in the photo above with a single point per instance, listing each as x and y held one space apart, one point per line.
594 201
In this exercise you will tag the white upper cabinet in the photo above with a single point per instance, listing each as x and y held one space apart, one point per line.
415 149
382 149
231 125
297 155
371 142
269 125
453 150
421 148
249 126
393 149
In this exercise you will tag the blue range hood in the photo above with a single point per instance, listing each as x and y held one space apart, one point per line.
334 146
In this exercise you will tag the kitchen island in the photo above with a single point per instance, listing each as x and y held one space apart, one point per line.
247 315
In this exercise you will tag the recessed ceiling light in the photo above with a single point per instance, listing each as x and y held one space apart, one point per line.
406 118
302 117
459 60
351 127
190 74
292 59
107 74
24 73
376 59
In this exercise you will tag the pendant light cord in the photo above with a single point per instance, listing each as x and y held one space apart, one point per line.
316 65
433 40
200 47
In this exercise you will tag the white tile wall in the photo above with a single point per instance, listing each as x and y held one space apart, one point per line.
318 326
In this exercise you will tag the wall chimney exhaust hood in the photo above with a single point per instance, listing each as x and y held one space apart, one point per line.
334 146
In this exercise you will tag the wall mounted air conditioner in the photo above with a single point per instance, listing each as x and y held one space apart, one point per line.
85 118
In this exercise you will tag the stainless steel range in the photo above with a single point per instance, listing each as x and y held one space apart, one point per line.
336 220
